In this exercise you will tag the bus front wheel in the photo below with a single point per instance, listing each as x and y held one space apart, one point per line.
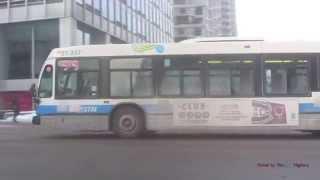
128 122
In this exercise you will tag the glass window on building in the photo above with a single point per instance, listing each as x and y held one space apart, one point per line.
134 23
104 8
87 38
143 7
79 2
79 37
20 54
155 14
129 3
159 35
138 5
197 31
162 24
138 24
97 6
117 12
89 2
85 35
147 33
165 25
134 4
160 4
151 13
129 19
147 10
111 8
143 28
153 33
199 10
20 59
52 1
124 15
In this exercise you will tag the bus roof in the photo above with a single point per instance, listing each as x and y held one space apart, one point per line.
214 48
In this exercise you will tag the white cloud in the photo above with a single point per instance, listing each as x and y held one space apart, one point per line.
279 20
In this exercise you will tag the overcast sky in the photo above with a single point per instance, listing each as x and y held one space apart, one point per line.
279 20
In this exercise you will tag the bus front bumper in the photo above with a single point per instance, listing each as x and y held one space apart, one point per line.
74 122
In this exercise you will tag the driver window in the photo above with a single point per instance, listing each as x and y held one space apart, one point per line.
67 84
77 78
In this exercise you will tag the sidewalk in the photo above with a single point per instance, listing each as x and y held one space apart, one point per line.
22 118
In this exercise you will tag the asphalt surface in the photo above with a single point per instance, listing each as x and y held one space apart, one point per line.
36 153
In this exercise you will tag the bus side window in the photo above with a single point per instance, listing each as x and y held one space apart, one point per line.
315 74
131 77
219 83
170 83
105 78
231 76
286 76
181 76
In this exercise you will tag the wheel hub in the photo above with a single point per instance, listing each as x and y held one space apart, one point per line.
127 123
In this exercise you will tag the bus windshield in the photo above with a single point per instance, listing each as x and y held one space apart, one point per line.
45 88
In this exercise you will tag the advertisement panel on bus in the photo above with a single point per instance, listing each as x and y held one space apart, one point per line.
236 112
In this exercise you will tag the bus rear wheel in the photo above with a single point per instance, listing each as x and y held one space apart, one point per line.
128 122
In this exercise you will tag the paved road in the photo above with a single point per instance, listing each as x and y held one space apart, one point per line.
33 153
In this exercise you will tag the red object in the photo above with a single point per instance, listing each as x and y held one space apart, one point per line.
22 98
69 64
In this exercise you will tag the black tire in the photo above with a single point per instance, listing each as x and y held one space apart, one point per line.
128 122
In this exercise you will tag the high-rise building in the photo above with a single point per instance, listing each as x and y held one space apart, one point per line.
204 18
30 29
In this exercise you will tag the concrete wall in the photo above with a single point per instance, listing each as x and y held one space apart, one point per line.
42 51
98 38
35 12
68 32
17 85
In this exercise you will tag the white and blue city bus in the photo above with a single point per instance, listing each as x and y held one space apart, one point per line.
131 89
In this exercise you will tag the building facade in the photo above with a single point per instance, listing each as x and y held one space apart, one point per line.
204 18
30 29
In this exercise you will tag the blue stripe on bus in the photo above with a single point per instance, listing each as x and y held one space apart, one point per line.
66 109
106 109
47 109
44 110
309 108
